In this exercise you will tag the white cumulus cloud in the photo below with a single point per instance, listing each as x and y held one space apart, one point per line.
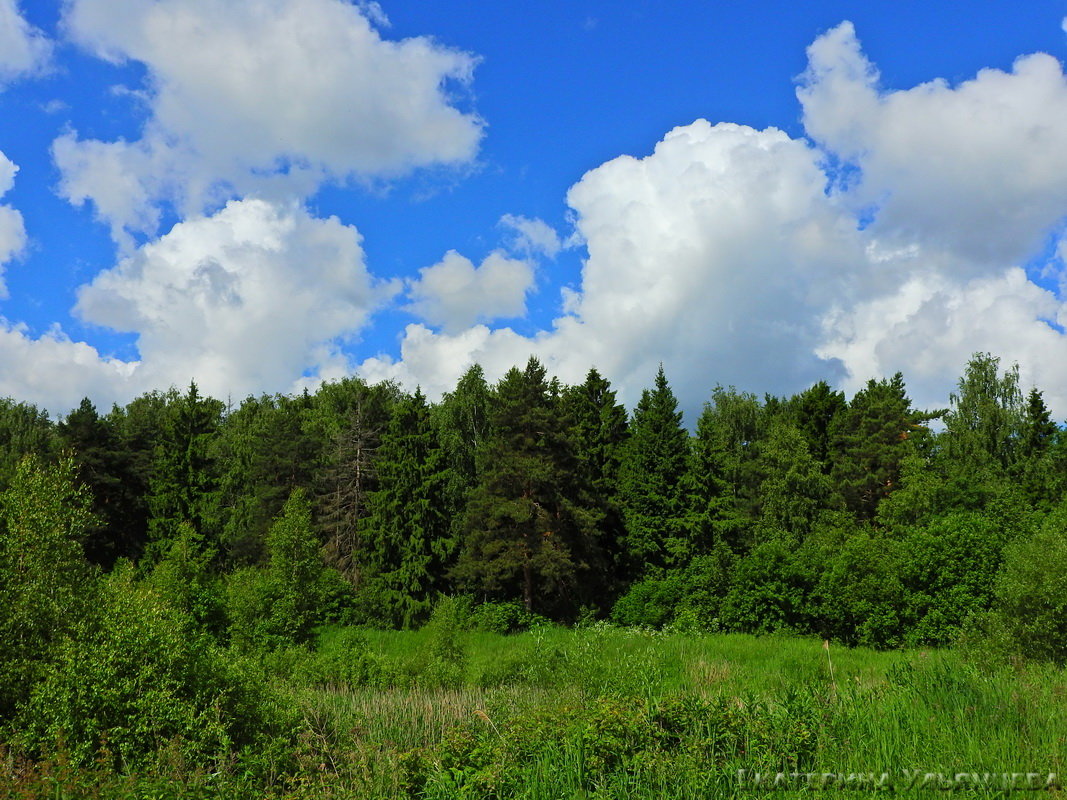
709 255
454 293
975 173
24 50
739 256
243 301
532 236
12 230
263 96
55 373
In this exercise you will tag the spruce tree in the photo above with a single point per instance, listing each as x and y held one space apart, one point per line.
655 461
105 466
408 543
184 480
723 481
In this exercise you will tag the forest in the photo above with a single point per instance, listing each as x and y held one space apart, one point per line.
194 595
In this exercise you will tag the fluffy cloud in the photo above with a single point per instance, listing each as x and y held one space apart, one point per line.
55 373
976 174
931 325
24 50
707 255
532 236
454 294
245 300
264 96
738 256
12 231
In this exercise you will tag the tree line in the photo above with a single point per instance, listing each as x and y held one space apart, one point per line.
860 519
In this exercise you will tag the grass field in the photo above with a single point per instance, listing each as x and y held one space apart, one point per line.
603 712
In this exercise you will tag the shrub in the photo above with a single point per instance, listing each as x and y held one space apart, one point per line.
140 676
1030 606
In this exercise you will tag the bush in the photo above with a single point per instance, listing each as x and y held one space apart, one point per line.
44 577
503 618
140 677
1030 606
442 660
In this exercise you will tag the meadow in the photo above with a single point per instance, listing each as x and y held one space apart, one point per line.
607 712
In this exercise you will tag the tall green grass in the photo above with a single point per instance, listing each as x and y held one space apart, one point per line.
603 712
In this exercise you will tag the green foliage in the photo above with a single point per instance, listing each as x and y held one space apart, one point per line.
184 478
948 570
280 604
185 580
1030 603
530 525
859 598
722 481
442 660
264 453
408 541
24 430
654 465
138 676
503 617
44 578
869 442
768 592
105 467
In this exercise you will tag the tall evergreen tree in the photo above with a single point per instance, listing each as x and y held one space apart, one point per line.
408 541
600 432
530 526
723 479
1039 473
348 420
264 454
105 466
184 481
869 441
652 493
813 412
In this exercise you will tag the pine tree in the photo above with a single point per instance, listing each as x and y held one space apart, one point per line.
530 526
869 441
652 493
408 541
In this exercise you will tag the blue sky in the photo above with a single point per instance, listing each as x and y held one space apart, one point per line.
262 194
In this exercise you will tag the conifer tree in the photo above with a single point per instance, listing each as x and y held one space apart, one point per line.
652 493
184 480
813 412
348 419
530 527
264 454
105 467
723 481
869 441
408 542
